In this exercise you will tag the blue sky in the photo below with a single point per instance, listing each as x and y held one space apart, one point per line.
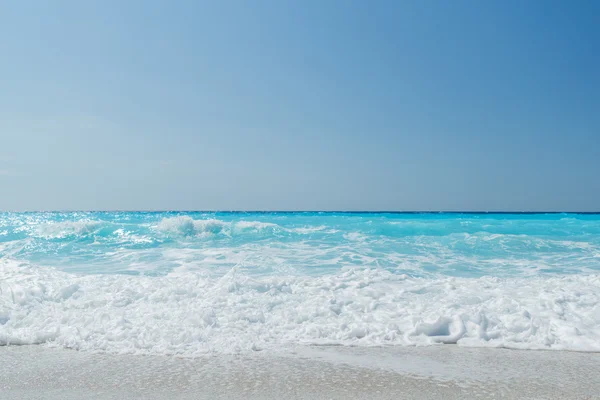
344 105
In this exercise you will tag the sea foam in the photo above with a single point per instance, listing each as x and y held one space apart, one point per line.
195 282
190 313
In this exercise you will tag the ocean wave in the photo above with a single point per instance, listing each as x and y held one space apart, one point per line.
241 227
314 229
57 230
187 226
189 313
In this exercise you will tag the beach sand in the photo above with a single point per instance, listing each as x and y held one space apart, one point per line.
438 372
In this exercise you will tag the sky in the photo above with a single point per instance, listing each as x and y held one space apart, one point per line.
300 105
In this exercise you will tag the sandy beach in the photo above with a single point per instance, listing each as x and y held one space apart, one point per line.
448 372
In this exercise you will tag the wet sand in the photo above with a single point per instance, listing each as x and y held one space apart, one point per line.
440 372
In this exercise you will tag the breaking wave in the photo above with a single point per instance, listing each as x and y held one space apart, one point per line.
190 313
198 282
187 226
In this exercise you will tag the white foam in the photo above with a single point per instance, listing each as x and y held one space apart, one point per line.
188 313
67 228
355 237
312 229
187 226
255 225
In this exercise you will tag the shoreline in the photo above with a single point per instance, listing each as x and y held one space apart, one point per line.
316 372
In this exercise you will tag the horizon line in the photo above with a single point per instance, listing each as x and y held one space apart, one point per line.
303 211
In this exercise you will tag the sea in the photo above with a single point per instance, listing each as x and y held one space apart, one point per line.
197 283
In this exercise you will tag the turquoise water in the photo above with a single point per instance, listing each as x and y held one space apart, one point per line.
466 245
189 283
